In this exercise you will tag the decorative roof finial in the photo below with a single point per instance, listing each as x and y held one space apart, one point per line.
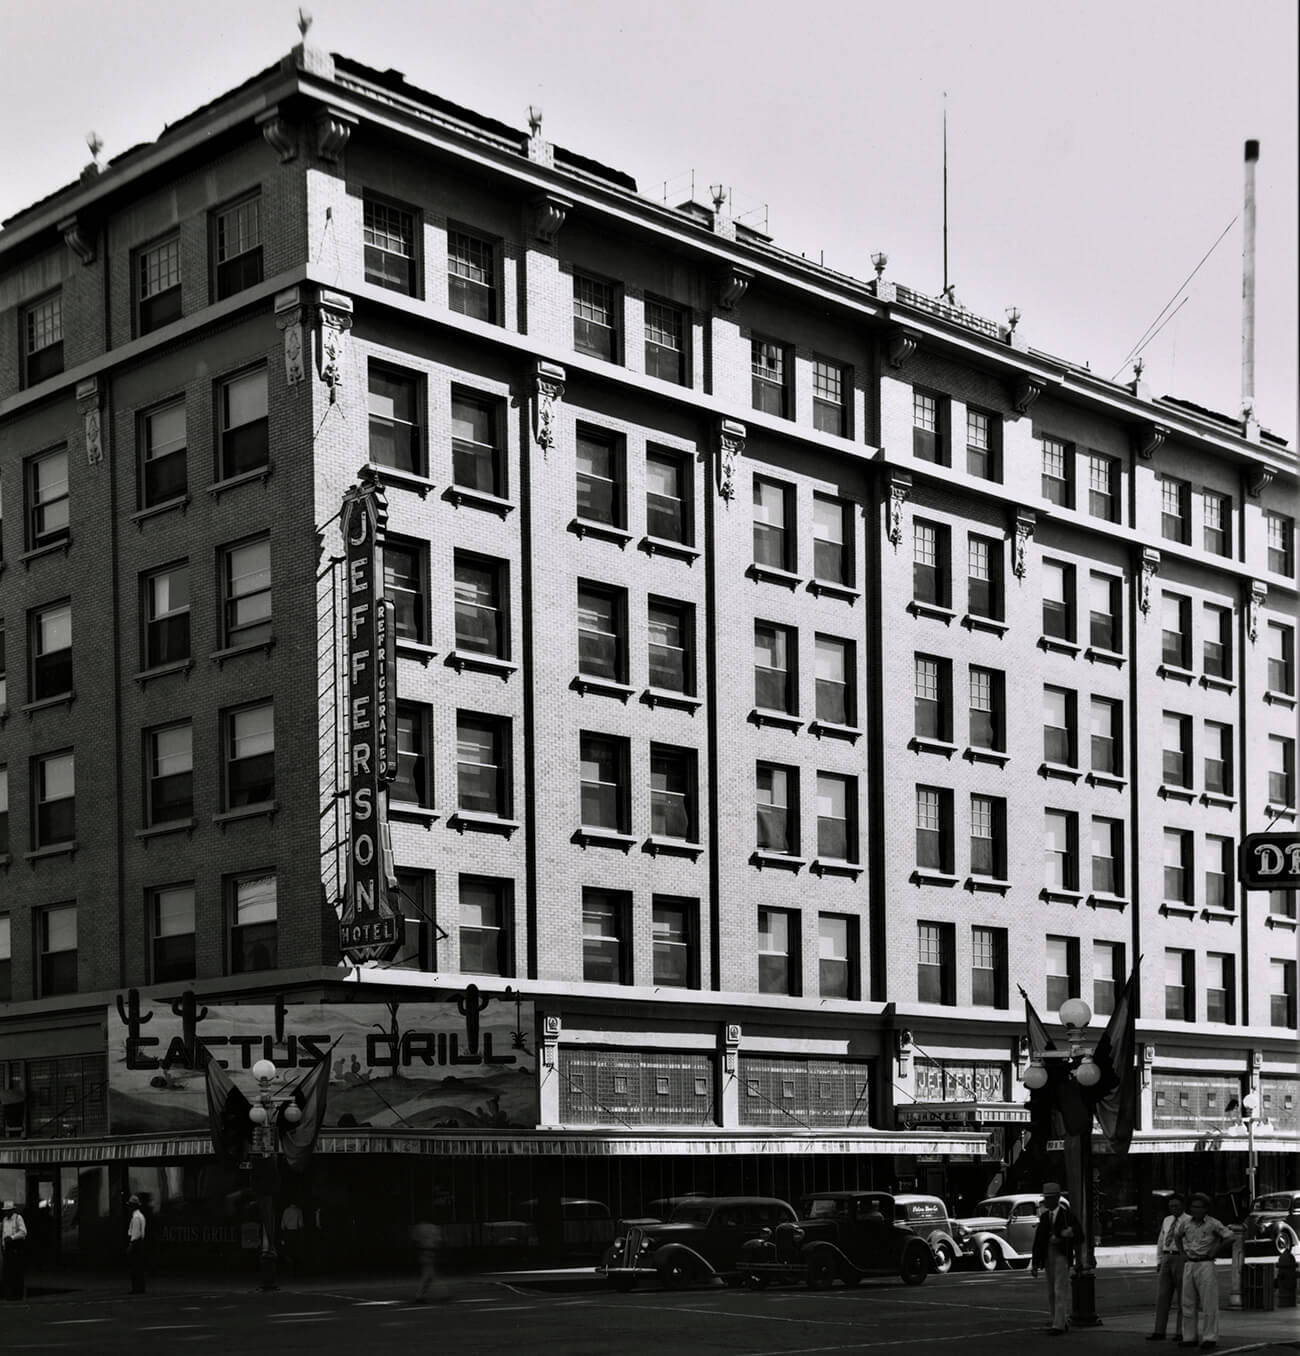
304 22
878 262
96 145
718 193
1013 318
1138 365
534 121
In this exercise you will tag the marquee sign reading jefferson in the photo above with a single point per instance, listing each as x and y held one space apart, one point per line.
369 928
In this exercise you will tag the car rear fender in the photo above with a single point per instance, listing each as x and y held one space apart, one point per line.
684 1256
821 1247
978 1237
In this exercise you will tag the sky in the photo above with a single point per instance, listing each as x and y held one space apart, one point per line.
1095 151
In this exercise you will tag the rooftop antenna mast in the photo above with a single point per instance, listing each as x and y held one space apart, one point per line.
947 286
1248 290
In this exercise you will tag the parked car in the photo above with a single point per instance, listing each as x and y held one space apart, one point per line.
1001 1231
701 1241
927 1218
586 1228
1276 1217
845 1236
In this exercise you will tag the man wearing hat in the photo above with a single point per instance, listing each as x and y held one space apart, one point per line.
135 1245
1058 1235
14 1233
1199 1237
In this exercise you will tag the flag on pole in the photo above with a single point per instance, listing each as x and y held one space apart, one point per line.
228 1109
1042 1101
297 1140
1114 1096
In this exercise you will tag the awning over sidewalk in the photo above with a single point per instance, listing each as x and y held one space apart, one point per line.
972 1114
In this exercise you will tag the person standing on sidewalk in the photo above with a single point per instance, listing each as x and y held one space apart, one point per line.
135 1246
1058 1234
15 1252
1169 1273
427 1238
1199 1237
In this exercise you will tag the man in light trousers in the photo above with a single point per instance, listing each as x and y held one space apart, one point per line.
1058 1235
1199 1237
1169 1273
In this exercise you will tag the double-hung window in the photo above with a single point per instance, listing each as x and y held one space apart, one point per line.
158 284
775 667
404 584
1175 510
600 478
835 681
166 601
1107 976
1180 985
246 593
250 755
837 956
1107 734
831 387
665 341
602 632
983 445
1176 630
171 934
1281 543
606 950
988 836
984 578
1104 632
1281 658
388 237
472 275
933 697
987 709
676 956
604 782
47 499
237 246
778 951
1061 849
988 967
1058 472
1103 479
245 426
1281 771
1060 740
1220 988
673 810
56 932
163 470
4 811
478 460
485 926
54 783
1282 993
481 622
930 580
483 770
1062 970
837 818
595 328
1217 522
413 783
169 755
832 541
393 399
777 801
769 364
1107 856
50 640
1177 866
1219 861
1218 758
42 338
1176 749
934 828
936 963
929 416
774 542
253 923
668 497
671 644
1058 600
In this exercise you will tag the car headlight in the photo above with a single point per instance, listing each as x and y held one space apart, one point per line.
646 1244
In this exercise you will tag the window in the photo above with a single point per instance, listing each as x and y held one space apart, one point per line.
769 369
936 962
837 953
237 246
673 809
671 646
776 652
1107 976
253 927
600 481
394 405
774 542
1103 478
54 783
988 967
988 836
668 497
42 337
778 969
163 467
482 625
665 341
1061 845
836 681
1216 641
47 499
1176 628
929 416
1180 986
676 958
477 451
832 541
6 960
404 583
1178 866
1220 989
413 898
1281 993
1104 606
837 818
1217 511
1058 472
167 615
1218 758
50 642
1176 749
1281 771
471 275
831 386
1107 856
1281 903
1175 510
56 931
606 957
604 783
171 934
4 810
933 701
1107 732
245 435
987 703
1219 859
594 326
1060 727
483 765
1281 658
169 765
983 445
485 926
413 783
1281 543
4 681
250 755
934 829
930 582
602 632
1062 970
776 794
158 284
1058 600
388 234
246 593
984 578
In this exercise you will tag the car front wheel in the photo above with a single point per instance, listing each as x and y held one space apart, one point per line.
988 1257
944 1257
675 1274
916 1266
1283 1241
821 1274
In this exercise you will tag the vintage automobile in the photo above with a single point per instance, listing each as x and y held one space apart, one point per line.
927 1218
584 1228
1001 1232
701 1242
845 1236
1275 1216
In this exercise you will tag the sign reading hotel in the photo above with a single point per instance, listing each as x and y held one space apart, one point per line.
369 926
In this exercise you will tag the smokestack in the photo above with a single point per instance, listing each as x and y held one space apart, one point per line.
1248 292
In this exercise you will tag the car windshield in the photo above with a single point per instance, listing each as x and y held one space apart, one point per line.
690 1214
823 1208
1272 1203
1002 1209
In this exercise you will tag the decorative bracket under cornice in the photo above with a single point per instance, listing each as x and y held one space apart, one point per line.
548 391
546 214
902 344
289 317
1259 480
333 132
92 422
1258 596
1149 569
279 134
78 238
1027 389
733 283
1148 438
900 489
1022 529
731 436
333 321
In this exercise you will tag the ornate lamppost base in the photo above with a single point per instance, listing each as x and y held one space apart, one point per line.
1083 1300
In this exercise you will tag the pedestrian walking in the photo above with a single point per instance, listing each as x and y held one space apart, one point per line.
1169 1273
14 1247
135 1231
1199 1237
427 1238
1058 1234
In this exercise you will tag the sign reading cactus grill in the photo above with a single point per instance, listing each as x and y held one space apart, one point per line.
369 927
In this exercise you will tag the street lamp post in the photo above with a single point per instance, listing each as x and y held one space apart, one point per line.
1075 1015
264 1112
1248 1120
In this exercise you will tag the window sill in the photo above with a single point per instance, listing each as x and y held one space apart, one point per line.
783 861
1221 684
63 544
463 497
1274 811
583 527
1054 896
657 846
1059 645
1279 920
1175 672
994 756
826 729
68 849
219 657
602 687
64 699
417 650
920 609
1214 798
480 823
769 574
928 876
823 866
987 884
1184 793
825 589
777 718
262 473
1283 699
185 826
1060 771
1219 915
658 696
1172 910
1107 902
265 809
660 546
460 660
412 813
162 671
1111 657
972 621
586 838
142 516
403 480
1106 779
922 744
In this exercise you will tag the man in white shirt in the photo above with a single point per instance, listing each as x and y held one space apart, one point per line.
1200 1237
1169 1273
135 1246
14 1232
